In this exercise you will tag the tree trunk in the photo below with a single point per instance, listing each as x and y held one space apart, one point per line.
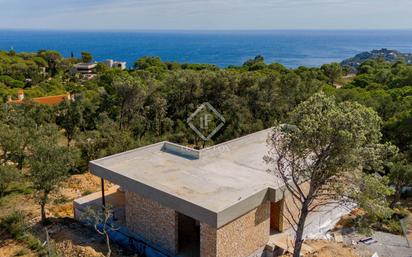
109 250
300 229
43 213
122 114
196 140
43 201
396 197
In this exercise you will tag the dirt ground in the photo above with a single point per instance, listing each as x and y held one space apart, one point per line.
325 248
331 249
61 201
76 186
9 247
72 239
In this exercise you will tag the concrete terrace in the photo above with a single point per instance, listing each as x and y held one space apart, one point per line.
215 185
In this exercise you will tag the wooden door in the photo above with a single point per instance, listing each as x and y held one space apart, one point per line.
276 217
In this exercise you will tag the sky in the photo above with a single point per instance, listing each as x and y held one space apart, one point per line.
205 14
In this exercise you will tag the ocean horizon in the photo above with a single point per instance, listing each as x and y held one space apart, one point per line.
292 48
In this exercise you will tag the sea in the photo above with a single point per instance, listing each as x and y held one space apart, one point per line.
292 48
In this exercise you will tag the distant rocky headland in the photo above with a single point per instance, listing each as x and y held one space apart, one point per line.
386 54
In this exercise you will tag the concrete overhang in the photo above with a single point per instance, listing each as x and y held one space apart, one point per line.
215 185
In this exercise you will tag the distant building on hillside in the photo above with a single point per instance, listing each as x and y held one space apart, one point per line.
48 100
43 71
87 70
115 64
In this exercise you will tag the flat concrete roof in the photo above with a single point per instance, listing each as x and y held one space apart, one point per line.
85 65
214 185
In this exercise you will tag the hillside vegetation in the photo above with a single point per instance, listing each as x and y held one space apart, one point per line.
391 56
42 146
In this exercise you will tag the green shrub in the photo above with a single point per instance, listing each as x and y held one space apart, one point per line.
8 175
15 225
33 243
393 226
61 200
22 188
363 225
401 213
87 192
9 81
366 224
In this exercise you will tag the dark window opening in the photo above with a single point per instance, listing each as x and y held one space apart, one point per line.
188 236
276 217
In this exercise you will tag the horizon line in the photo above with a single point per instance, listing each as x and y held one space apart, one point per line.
203 30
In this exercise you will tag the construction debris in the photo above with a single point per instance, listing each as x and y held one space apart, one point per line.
368 240
338 237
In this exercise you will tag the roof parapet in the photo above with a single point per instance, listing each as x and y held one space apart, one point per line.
194 154
180 150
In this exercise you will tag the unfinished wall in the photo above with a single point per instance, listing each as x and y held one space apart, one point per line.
240 238
291 208
156 223
207 240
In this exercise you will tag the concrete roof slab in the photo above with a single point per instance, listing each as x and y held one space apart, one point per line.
214 185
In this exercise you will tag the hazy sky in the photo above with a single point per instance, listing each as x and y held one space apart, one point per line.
206 14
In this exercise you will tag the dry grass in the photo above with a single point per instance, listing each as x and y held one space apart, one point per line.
329 249
324 248
9 247
69 237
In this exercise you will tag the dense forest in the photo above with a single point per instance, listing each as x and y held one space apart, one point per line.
152 101
117 110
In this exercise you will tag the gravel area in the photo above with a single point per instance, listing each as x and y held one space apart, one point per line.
386 245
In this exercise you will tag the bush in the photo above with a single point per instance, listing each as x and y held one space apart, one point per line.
7 176
61 200
363 225
87 192
9 81
366 224
392 226
15 225
22 188
33 243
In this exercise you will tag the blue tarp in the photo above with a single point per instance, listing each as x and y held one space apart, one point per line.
123 237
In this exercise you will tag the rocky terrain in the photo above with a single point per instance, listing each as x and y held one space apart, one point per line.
388 55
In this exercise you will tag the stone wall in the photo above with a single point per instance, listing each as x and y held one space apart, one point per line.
240 238
207 240
158 224
291 207
154 222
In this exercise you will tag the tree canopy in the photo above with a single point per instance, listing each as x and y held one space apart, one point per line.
318 152
119 110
